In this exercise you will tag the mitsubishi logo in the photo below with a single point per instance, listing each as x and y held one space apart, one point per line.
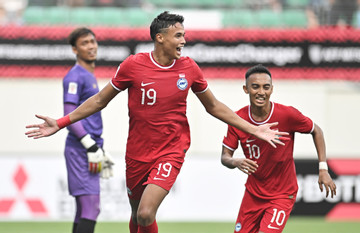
34 205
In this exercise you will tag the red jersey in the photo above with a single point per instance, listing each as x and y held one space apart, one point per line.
276 175
157 105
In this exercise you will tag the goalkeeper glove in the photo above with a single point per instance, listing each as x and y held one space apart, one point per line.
108 162
94 153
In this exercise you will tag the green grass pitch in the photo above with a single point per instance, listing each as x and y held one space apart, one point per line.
294 225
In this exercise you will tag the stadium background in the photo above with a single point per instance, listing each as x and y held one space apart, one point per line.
315 66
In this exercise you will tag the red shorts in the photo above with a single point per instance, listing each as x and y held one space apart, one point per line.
162 172
264 215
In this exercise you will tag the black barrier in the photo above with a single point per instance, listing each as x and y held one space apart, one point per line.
310 201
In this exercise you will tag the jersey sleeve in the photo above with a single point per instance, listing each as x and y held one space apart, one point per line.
231 140
122 78
200 84
72 86
76 128
300 123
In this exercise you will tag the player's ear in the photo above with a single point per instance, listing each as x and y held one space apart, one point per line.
74 49
245 89
159 37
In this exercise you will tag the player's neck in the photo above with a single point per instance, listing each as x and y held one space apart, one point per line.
89 66
160 57
260 113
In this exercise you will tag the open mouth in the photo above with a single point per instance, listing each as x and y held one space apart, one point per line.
260 99
178 49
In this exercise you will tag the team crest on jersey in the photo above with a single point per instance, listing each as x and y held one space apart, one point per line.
182 83
238 227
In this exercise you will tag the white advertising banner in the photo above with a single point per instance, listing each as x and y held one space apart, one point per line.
35 188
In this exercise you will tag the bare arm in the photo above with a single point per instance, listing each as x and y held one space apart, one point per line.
245 165
92 105
324 176
225 114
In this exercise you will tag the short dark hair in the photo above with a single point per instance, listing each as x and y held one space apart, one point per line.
77 33
257 69
163 21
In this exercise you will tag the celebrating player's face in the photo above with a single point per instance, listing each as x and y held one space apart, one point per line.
259 87
173 41
86 48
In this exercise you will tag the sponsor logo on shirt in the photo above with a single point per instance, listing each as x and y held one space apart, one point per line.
182 83
72 88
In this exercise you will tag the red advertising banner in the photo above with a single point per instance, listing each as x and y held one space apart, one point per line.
326 53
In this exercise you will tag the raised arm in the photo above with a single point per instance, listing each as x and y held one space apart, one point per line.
324 176
225 114
92 105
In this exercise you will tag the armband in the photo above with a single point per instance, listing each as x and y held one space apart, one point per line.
63 121
323 166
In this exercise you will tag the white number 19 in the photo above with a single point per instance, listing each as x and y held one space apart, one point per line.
148 96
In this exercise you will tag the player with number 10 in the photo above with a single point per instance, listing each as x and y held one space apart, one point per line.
271 186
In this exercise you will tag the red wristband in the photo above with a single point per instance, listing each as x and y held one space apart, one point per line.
63 121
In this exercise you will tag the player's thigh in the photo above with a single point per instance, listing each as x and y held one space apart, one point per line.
136 175
250 214
276 215
151 198
80 180
164 173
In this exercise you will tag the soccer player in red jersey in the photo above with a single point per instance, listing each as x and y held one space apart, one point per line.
271 186
158 83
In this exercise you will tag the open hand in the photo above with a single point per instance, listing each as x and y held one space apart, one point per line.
326 181
47 128
273 137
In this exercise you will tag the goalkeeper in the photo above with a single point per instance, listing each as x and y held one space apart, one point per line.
85 159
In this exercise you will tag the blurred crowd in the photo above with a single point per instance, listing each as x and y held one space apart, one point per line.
318 12
333 12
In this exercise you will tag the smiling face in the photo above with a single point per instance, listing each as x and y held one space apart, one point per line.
86 48
259 87
172 41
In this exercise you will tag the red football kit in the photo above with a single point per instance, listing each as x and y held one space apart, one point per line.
159 132
271 190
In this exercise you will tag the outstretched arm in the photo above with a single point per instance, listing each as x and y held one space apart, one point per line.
225 114
92 105
243 164
324 176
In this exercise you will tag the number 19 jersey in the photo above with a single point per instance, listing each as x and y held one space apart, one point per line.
157 95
